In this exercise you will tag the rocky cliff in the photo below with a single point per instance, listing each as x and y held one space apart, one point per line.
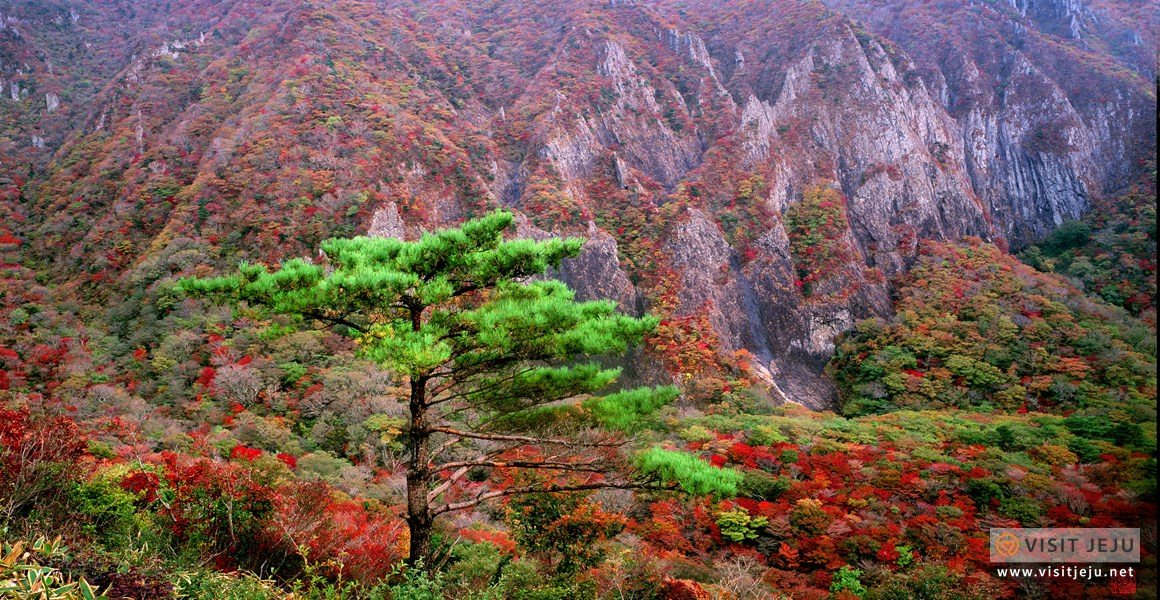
677 136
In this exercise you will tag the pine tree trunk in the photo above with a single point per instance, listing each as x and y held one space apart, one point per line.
419 519
418 469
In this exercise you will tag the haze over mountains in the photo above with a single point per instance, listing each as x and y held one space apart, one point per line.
142 140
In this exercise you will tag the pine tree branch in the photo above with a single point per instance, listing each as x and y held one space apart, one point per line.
587 467
525 439
465 289
451 383
443 487
463 467
500 416
455 440
484 366
444 447
490 365
334 320
537 489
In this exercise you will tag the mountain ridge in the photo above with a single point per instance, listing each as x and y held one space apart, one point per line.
678 135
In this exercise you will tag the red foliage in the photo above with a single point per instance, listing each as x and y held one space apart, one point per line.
221 508
288 459
498 539
665 530
142 482
206 377
888 553
31 448
244 453
682 589
307 516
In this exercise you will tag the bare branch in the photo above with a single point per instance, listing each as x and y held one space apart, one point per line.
455 440
444 447
334 320
536 489
590 466
482 461
443 487
526 439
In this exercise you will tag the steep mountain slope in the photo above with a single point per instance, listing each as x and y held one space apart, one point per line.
754 171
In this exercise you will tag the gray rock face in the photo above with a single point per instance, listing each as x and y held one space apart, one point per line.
1033 160
1062 17
706 266
800 331
595 274
936 155
649 144
757 308
387 223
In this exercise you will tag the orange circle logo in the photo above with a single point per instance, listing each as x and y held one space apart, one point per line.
1007 545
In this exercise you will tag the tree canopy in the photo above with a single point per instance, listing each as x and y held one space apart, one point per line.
500 366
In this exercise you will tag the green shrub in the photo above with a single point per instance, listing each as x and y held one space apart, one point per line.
760 485
322 465
476 565
982 491
222 586
1085 450
1129 435
519 574
544 593
1025 510
1071 234
753 401
847 579
928 582
106 511
765 435
696 433
418 584
101 450
738 525
1015 437
977 374
948 512
905 556
1090 427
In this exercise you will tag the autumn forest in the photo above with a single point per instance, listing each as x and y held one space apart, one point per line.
543 300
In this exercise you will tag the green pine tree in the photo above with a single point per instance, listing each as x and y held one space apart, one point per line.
495 361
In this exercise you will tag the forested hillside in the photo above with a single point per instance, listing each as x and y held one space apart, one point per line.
892 269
